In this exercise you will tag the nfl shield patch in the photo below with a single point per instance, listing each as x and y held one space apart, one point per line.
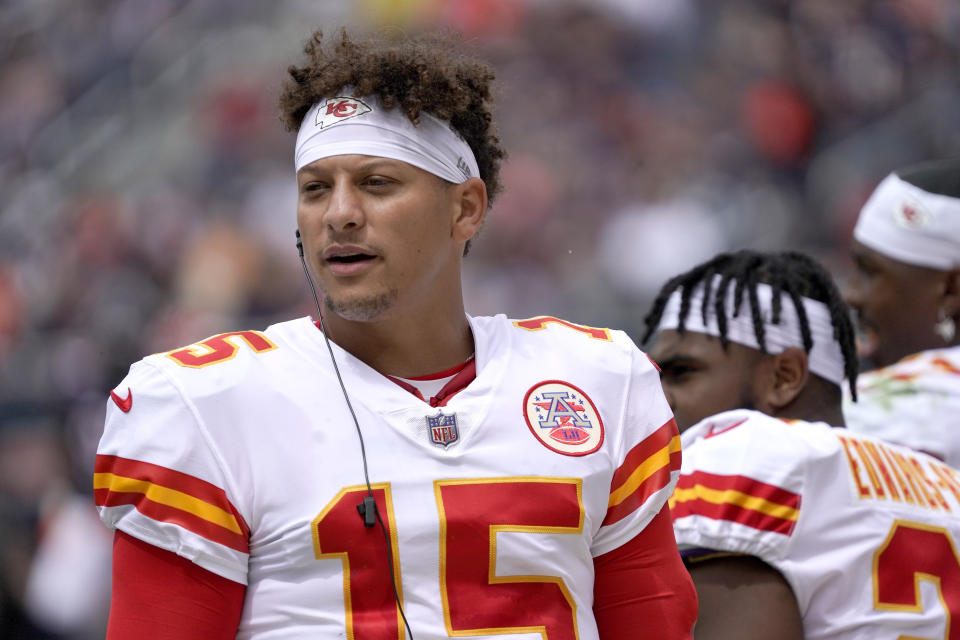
443 429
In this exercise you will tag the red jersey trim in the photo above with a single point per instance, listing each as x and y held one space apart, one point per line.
645 470
170 496
446 372
736 498
456 384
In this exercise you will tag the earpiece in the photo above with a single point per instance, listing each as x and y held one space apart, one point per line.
368 508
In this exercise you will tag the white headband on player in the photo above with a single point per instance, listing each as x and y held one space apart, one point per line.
344 125
906 223
825 358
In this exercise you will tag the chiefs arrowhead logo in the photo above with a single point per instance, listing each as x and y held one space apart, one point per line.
125 404
911 215
336 110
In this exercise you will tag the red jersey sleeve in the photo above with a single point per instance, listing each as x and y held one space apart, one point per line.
644 584
158 595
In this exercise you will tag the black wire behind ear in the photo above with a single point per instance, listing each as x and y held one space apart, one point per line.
299 243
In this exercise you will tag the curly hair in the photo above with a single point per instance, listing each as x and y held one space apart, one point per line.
422 73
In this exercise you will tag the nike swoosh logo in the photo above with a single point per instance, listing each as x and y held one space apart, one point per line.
124 403
713 431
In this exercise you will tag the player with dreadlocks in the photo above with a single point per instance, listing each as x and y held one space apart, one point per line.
792 528
766 339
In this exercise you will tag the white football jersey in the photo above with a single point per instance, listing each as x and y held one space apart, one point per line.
865 532
914 402
239 453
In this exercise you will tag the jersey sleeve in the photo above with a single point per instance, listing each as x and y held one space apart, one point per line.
740 487
648 458
159 479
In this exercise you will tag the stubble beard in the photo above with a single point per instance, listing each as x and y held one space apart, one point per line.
362 309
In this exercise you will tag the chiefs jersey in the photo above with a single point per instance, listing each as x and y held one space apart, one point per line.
915 402
240 454
865 532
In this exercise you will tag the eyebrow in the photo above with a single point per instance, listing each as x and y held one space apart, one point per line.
365 165
675 359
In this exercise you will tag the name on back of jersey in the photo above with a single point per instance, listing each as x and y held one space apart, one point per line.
890 473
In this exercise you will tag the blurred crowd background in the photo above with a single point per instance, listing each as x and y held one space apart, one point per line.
147 194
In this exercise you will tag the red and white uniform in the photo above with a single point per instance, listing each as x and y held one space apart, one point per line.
865 532
239 453
914 402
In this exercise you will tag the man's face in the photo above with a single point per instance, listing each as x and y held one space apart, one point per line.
700 378
377 234
896 305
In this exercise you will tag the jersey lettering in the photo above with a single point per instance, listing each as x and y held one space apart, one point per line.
220 348
540 322
882 473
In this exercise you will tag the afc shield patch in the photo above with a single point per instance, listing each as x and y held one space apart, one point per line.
563 418
443 429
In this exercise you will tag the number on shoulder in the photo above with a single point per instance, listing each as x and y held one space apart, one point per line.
220 348
540 322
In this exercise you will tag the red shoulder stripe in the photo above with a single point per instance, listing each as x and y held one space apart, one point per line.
736 498
170 496
645 470
743 484
731 513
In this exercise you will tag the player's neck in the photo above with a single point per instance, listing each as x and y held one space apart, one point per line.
407 344
811 408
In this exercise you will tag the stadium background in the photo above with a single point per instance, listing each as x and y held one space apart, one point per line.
147 194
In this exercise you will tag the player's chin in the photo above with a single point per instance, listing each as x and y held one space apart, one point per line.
362 307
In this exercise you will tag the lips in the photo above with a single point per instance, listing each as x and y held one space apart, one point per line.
348 260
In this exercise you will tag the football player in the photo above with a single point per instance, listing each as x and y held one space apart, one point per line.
793 528
906 290
393 468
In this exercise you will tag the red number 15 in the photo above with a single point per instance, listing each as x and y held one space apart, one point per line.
476 601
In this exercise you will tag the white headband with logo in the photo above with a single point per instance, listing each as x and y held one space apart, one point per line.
911 225
825 357
344 125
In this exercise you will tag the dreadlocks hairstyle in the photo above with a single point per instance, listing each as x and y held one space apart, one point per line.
419 74
790 273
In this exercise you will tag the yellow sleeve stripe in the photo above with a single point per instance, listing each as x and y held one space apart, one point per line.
735 498
168 497
656 461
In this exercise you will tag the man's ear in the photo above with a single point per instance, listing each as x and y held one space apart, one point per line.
470 208
787 377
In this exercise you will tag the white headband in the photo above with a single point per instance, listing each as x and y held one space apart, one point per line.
344 125
911 225
825 358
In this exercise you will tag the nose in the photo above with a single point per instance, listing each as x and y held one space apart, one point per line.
344 209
